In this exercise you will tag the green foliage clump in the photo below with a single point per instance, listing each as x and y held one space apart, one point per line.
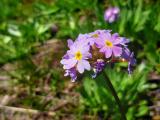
131 90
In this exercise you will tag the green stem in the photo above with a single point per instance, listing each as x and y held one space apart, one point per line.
115 96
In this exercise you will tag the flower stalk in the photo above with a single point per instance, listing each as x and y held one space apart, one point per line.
113 91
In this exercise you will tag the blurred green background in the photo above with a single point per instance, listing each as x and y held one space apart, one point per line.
33 35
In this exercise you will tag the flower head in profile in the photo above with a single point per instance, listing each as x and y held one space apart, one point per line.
111 14
129 56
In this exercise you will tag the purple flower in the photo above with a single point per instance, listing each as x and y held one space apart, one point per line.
98 67
78 56
129 56
123 40
72 73
90 50
83 38
95 36
111 14
110 44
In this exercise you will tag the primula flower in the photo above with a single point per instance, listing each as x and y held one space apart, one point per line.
77 57
84 54
72 73
95 36
111 14
129 56
98 66
110 44
93 51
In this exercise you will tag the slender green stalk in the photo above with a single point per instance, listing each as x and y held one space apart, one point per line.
115 96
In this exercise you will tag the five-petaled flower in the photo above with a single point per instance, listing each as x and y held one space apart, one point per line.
110 45
78 56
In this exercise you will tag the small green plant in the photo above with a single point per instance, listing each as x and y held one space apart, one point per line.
131 90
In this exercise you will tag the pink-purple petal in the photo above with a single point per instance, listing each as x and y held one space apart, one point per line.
84 49
87 55
103 49
80 67
117 41
86 65
117 51
108 52
70 42
107 36
70 63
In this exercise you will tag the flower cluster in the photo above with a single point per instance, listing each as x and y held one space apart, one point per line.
93 51
111 14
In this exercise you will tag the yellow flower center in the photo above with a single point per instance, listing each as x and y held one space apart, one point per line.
108 43
78 55
95 35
